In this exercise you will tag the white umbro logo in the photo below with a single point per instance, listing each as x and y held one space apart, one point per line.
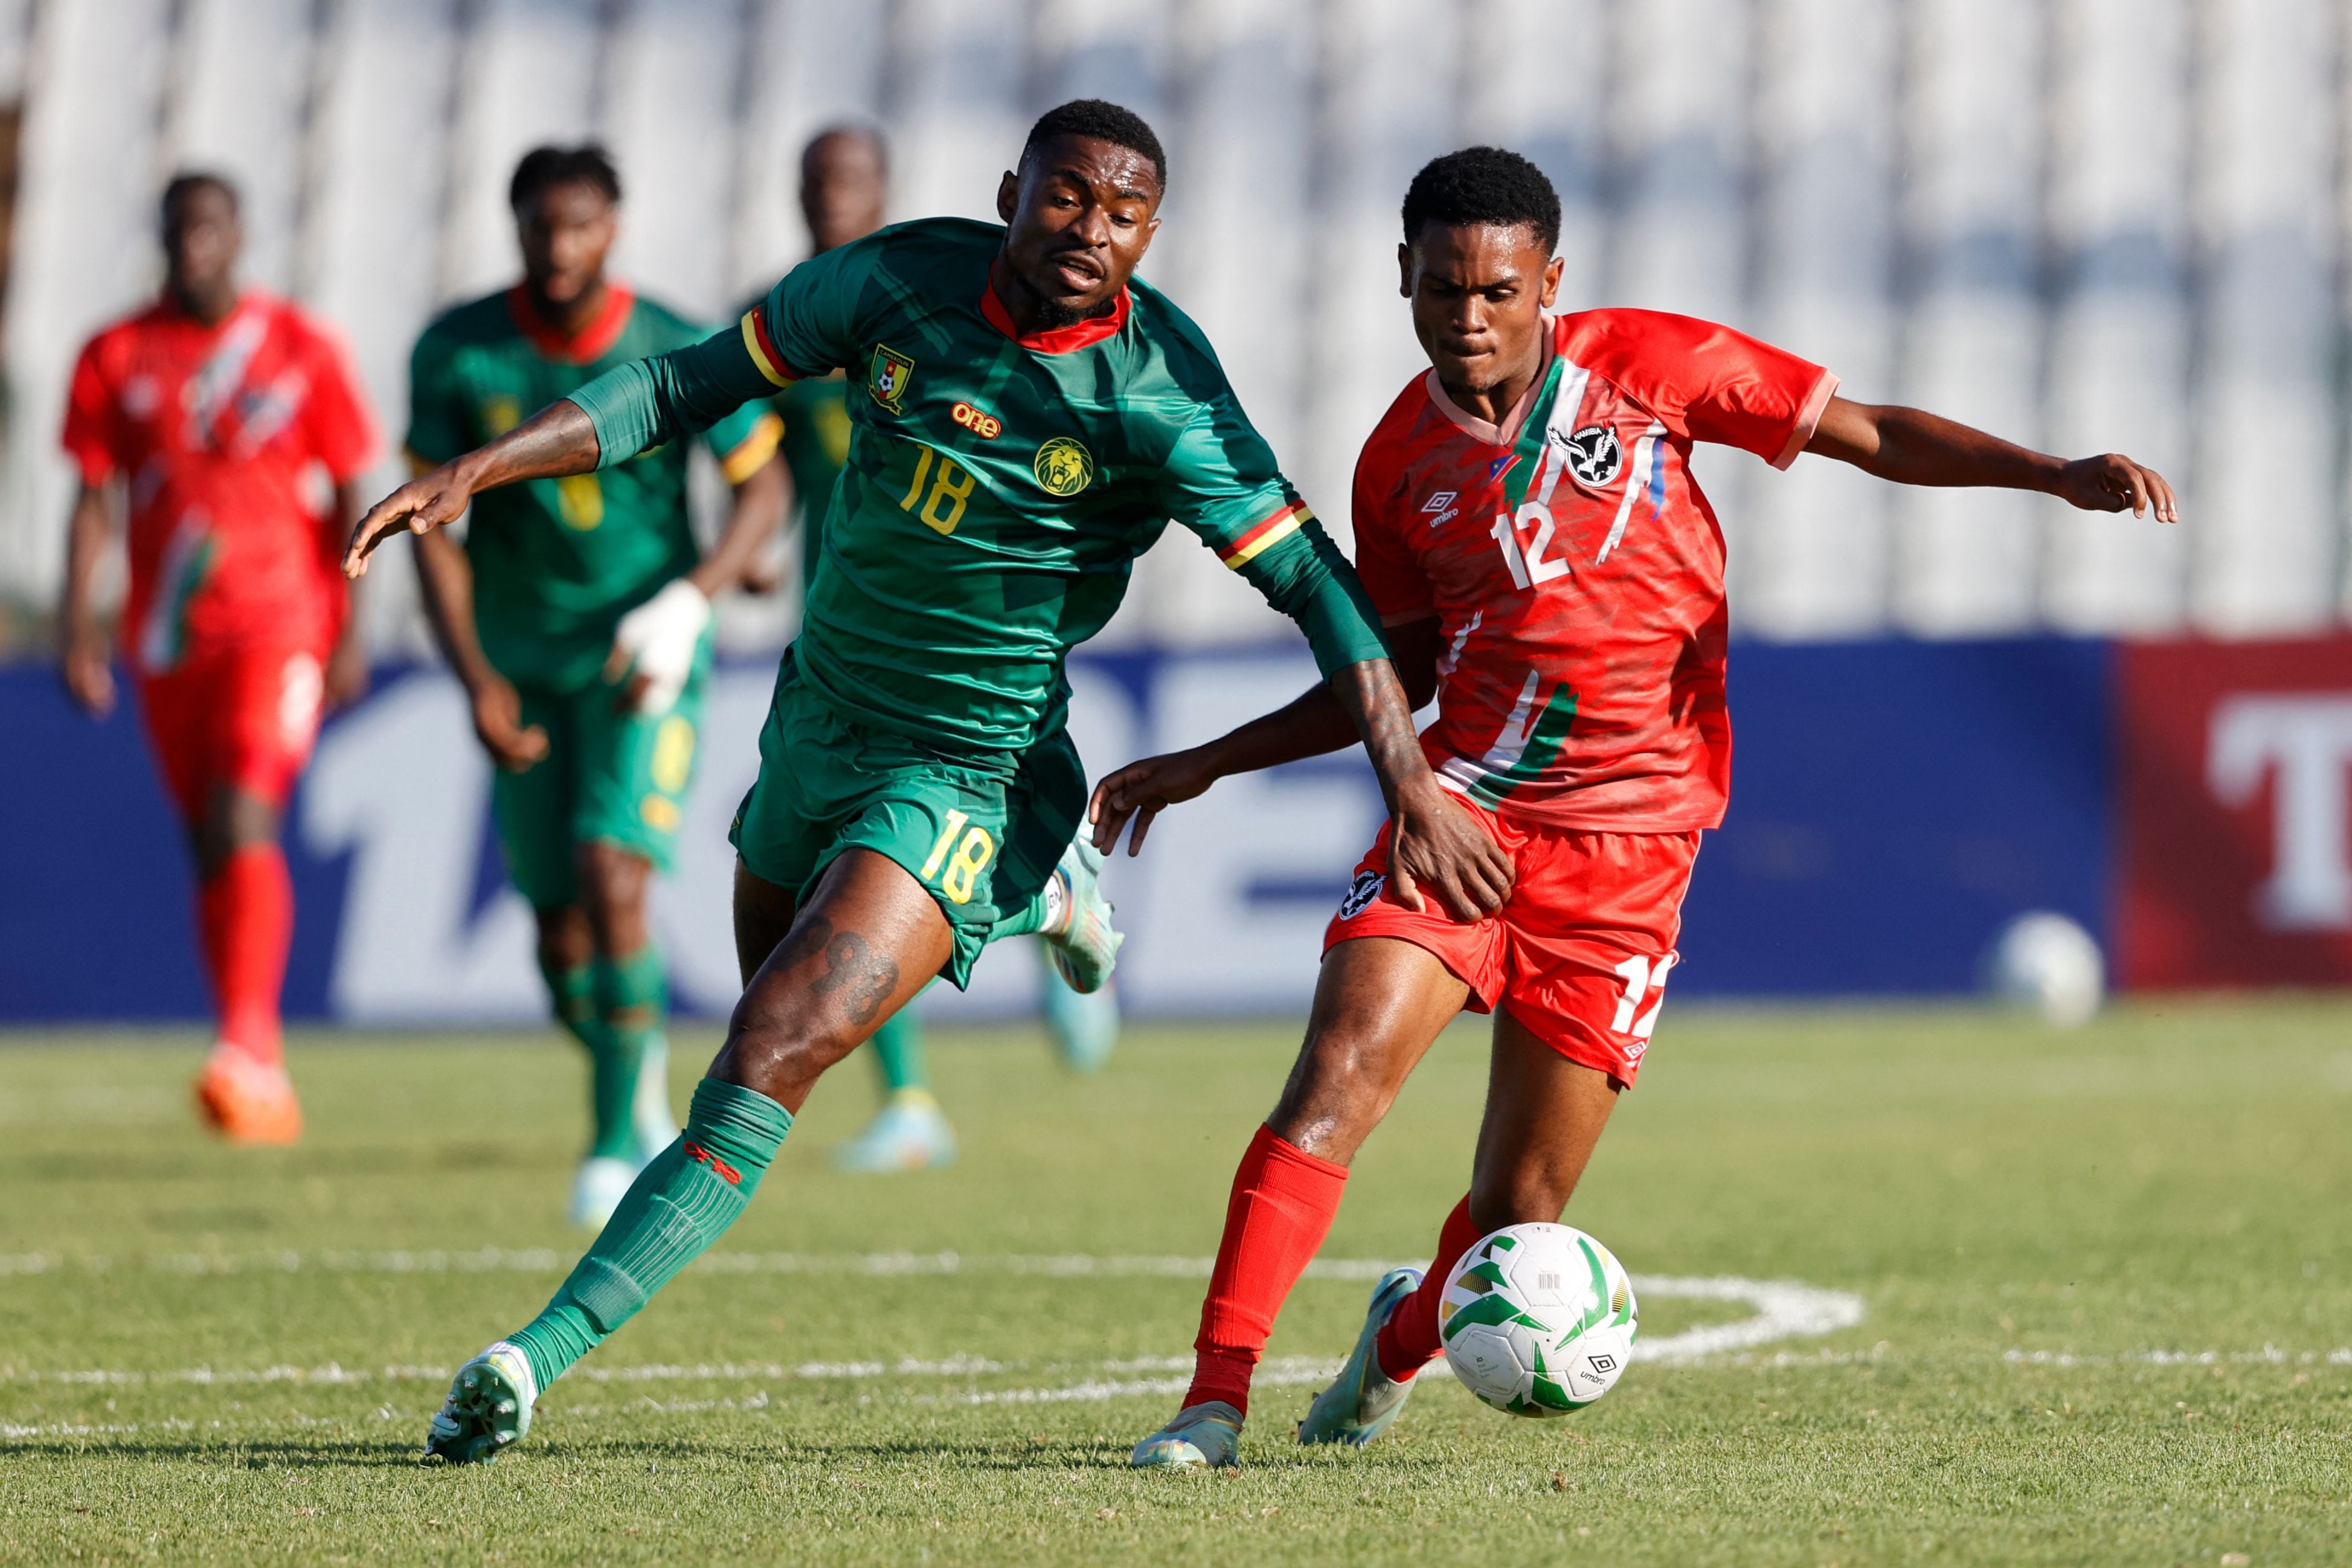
1440 509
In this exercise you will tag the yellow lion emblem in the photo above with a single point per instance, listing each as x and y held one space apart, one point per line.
1064 466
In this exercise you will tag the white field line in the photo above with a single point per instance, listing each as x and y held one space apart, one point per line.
1784 1309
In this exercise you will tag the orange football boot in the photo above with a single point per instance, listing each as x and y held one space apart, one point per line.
247 1099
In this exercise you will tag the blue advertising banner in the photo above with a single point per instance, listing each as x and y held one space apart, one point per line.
1893 804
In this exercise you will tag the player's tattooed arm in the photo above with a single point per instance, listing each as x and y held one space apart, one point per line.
1912 446
557 440
1373 702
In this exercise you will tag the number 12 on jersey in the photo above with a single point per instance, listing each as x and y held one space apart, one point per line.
1643 977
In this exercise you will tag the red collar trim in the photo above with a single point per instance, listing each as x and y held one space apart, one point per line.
587 345
1054 340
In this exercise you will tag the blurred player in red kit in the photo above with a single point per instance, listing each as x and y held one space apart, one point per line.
211 413
1529 526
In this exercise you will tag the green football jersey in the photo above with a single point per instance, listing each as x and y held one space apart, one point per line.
998 488
557 562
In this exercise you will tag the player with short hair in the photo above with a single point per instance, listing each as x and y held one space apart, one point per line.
577 614
1027 420
1528 523
208 413
843 186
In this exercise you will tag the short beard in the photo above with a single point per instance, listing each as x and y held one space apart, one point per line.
1055 314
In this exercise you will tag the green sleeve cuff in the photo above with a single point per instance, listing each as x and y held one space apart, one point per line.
621 407
1340 625
649 402
1307 579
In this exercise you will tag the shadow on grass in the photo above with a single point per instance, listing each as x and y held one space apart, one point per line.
233 1454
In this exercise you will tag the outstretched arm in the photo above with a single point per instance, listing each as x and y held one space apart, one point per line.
1912 446
557 440
612 419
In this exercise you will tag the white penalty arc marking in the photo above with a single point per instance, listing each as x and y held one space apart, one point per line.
1784 1309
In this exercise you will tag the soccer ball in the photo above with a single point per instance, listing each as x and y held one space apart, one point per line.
1539 1320
2046 964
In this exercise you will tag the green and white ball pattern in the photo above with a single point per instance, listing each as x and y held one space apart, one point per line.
1539 1320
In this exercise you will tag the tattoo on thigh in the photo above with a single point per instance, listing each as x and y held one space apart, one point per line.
865 978
808 937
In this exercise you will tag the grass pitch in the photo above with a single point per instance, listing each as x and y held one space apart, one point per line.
2106 1277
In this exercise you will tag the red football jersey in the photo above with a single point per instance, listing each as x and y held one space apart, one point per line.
214 429
1574 567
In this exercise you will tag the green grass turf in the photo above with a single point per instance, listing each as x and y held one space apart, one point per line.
2028 1216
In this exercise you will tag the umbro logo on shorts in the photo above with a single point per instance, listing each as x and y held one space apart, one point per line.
1594 454
1365 889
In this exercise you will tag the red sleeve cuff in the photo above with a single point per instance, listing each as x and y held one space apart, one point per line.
1809 419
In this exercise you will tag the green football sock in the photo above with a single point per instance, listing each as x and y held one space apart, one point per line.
571 992
1043 911
898 1048
678 1205
632 997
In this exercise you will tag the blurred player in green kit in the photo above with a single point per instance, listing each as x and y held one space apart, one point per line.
577 612
844 176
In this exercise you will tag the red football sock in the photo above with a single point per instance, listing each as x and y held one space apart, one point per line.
1408 1340
1283 1203
246 911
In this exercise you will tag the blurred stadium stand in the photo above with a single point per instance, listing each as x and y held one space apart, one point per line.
2085 223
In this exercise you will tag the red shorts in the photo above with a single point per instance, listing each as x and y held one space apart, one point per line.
1578 955
242 716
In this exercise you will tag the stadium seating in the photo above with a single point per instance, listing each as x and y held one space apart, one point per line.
2112 233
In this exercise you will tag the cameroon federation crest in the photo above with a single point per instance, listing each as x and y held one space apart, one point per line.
891 375
1063 466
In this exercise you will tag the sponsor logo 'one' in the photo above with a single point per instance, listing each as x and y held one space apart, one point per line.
977 420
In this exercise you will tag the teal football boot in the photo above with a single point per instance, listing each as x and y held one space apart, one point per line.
488 1408
1201 1437
1362 1401
1085 948
910 1132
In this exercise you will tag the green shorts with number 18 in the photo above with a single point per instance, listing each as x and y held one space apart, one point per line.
980 833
